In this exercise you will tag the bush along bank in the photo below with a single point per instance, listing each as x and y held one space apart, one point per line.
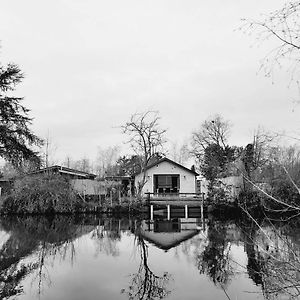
52 193
41 194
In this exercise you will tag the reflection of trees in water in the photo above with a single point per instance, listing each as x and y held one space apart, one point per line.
256 264
273 260
36 239
215 259
11 277
145 284
273 254
107 234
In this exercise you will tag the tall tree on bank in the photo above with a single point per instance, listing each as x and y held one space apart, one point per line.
257 155
146 138
210 148
16 139
214 130
214 162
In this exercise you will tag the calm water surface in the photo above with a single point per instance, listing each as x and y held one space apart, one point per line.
95 257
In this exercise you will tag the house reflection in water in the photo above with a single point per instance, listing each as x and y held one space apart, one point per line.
166 234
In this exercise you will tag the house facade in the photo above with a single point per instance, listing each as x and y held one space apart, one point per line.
167 177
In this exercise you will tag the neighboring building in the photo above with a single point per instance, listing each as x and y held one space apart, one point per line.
167 177
66 172
125 184
89 187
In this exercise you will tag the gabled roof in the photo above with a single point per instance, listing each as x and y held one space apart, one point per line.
65 170
165 159
168 240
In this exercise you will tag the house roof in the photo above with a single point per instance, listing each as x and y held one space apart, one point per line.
117 178
165 159
168 240
65 170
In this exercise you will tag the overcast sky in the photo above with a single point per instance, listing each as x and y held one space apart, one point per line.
90 64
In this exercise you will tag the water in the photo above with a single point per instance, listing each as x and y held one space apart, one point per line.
96 257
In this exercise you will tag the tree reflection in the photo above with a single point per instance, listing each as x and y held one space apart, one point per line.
37 238
11 277
11 274
256 263
214 260
107 234
145 284
273 260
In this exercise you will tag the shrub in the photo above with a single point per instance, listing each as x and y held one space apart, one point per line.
45 193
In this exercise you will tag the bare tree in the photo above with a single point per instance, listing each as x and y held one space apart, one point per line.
282 26
83 165
106 160
214 130
258 153
49 150
180 152
146 138
68 162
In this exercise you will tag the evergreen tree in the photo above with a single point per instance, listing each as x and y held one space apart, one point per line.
16 139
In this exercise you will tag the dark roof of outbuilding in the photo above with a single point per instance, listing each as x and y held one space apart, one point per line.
165 159
65 170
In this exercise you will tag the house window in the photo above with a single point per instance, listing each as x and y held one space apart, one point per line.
166 184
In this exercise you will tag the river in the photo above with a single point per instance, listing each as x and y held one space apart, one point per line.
98 257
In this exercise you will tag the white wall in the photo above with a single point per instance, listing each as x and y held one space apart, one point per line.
187 180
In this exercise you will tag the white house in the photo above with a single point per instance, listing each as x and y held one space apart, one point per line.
167 177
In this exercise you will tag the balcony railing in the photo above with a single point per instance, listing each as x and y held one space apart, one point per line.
174 196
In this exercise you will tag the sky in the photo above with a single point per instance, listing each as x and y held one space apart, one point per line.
90 64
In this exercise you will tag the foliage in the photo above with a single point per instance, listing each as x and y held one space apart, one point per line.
210 148
283 190
214 164
250 199
129 165
42 194
260 153
278 179
215 159
16 139
8 170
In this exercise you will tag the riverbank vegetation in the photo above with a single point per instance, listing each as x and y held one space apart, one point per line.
53 193
43 193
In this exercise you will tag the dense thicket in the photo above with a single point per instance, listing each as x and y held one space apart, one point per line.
42 194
